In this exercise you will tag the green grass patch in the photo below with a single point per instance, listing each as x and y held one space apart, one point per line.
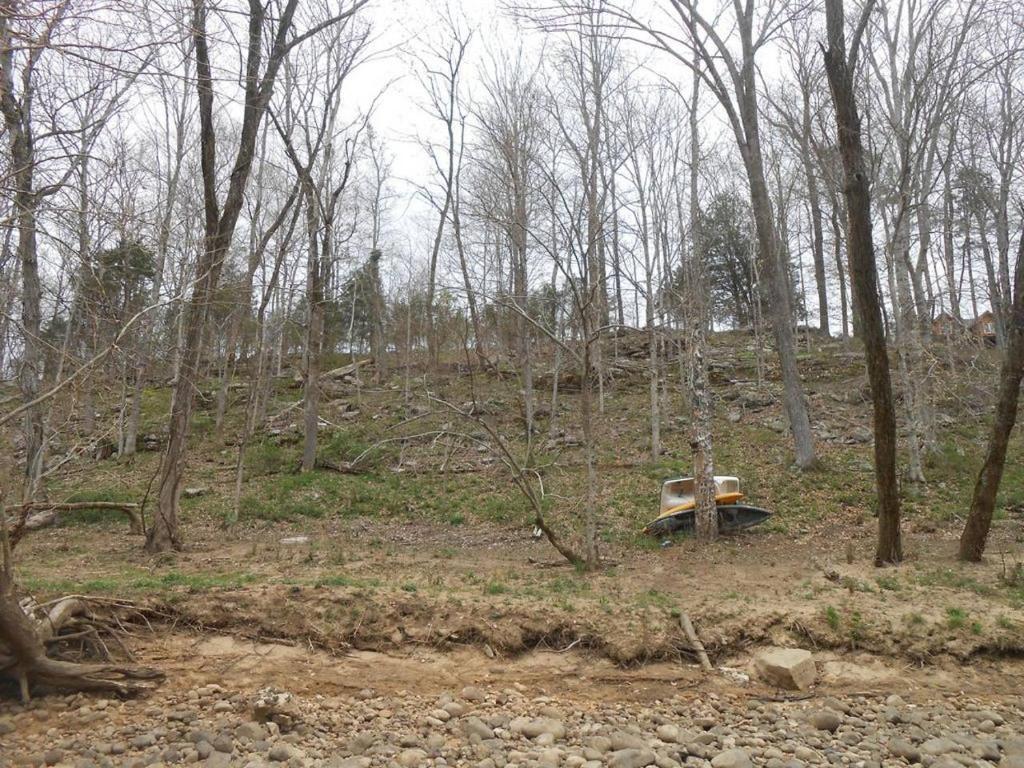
495 587
832 618
955 618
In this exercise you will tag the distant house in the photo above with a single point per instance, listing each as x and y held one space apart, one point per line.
982 328
945 325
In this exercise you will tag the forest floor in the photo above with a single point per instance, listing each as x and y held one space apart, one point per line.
392 588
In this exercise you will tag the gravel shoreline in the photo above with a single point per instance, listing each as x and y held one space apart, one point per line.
507 728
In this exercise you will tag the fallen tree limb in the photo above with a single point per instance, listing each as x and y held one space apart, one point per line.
46 515
698 646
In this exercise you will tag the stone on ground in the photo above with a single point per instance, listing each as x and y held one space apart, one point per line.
789 668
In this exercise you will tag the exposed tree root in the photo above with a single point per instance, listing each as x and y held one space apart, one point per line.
32 634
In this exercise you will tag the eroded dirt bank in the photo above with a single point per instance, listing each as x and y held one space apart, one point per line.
229 701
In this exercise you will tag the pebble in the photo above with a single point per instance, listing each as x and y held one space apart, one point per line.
825 720
731 758
906 750
631 758
508 729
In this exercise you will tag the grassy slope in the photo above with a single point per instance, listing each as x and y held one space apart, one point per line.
456 539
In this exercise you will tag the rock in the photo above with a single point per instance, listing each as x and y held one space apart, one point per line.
195 492
550 758
988 714
805 754
893 716
531 729
218 760
668 733
348 762
630 758
6 726
472 693
732 758
474 726
282 753
790 668
621 740
825 720
454 709
143 740
223 744
53 756
941 746
252 731
411 758
361 742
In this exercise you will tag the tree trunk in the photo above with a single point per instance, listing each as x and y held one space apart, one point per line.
817 235
701 405
314 334
837 248
840 72
17 121
219 228
948 251
979 520
780 314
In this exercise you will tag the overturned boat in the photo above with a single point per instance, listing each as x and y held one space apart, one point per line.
677 507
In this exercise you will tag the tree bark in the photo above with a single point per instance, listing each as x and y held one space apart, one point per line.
313 347
979 520
701 404
864 273
18 123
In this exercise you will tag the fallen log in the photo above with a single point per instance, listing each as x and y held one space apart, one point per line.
39 514
346 370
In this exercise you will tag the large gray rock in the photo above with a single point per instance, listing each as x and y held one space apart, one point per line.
790 668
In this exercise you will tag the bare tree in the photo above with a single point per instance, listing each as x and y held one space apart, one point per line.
841 68
322 176
733 79
701 405
221 216
511 122
441 80
979 520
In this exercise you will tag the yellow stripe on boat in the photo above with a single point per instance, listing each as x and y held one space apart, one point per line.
721 498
